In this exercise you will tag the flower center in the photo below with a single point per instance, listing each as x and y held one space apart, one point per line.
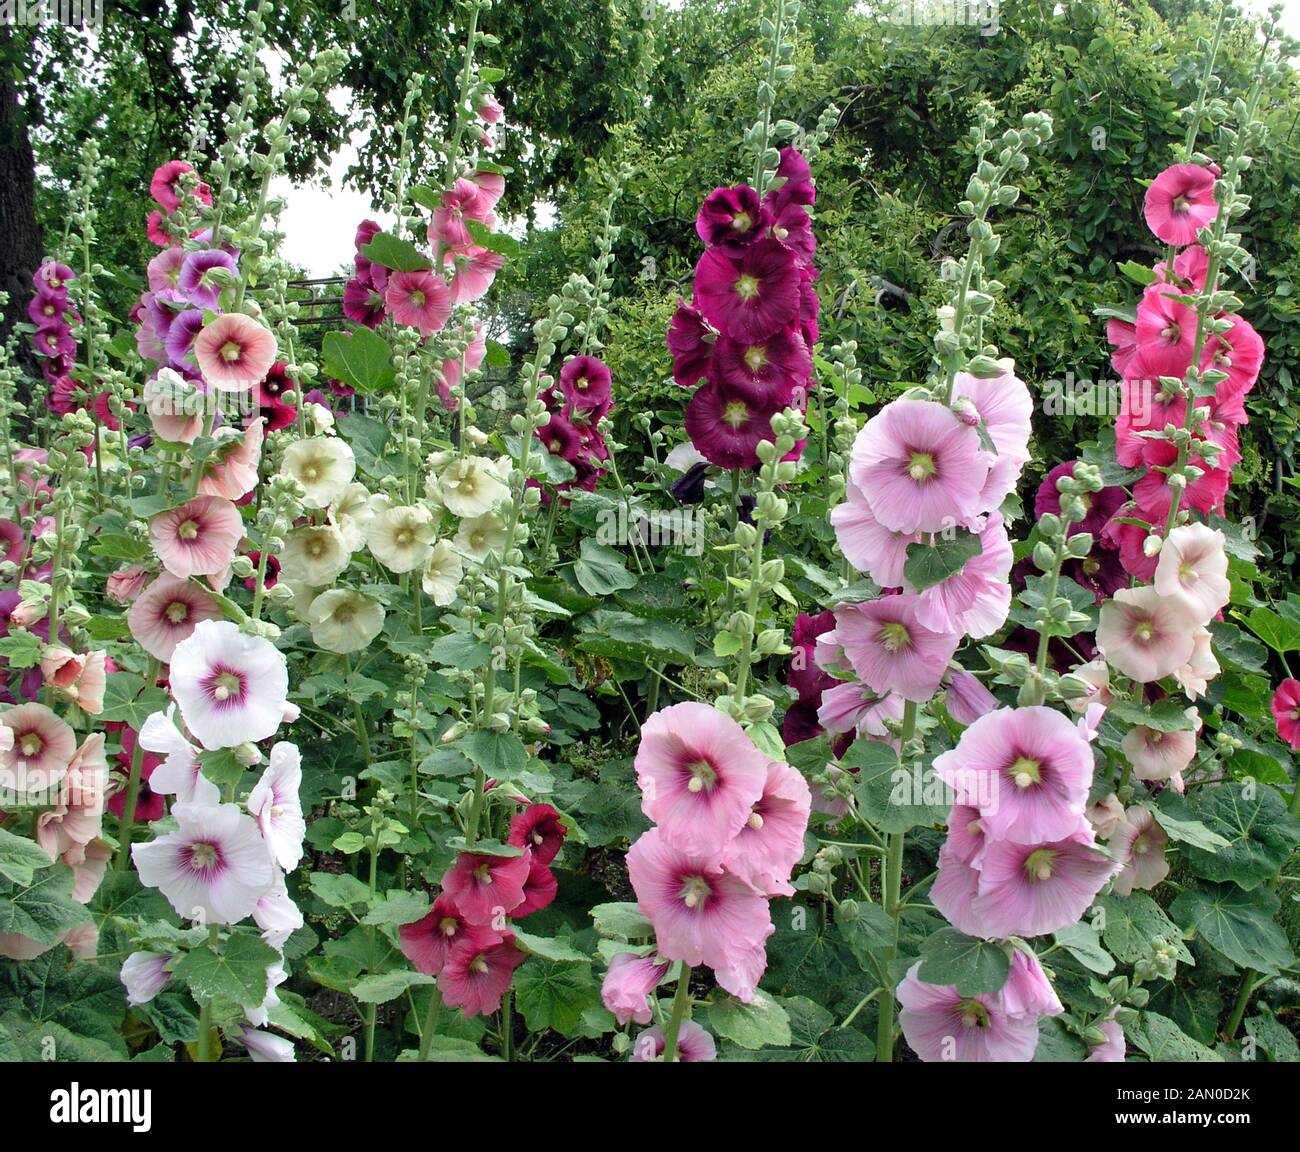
310 473
226 685
1187 573
1144 631
695 890
755 821
1181 204
177 612
447 925
31 744
747 287
188 530
735 414
404 537
703 777
1038 864
921 466
742 222
973 1014
478 965
895 637
755 357
1025 772
1140 846
580 383
483 874
230 351
1171 334
417 298
203 856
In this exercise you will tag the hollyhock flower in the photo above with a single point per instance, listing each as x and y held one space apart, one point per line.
46 310
1145 635
179 341
314 556
804 676
468 486
420 300
54 342
167 612
180 773
1105 815
174 404
965 696
478 970
486 888
1122 337
214 865
691 341
701 914
164 185
726 427
561 438
700 776
231 687
427 942
351 513
1193 566
1180 202
941 1024
231 472
77 817
1027 770
442 574
37 756
891 650
1113 1050
1157 755
792 182
1004 407
585 382
694 1045
976 598
1099 506
344 620
124 585
626 989
479 537
234 352
52 277
540 889
539 829
198 538
491 185
149 805
401 538
196 281
1139 844
1028 991
1166 332
770 843
752 296
163 270
866 544
472 271
323 465
1286 712
265 1047
462 202
1034 889
155 228
274 804
277 915
1154 496
920 468
1130 540
1240 353
731 218
844 706
144 975
765 372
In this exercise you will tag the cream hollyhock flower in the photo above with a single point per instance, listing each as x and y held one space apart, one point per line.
401 537
323 465
1193 567
442 574
481 535
1194 677
313 555
344 620
352 513
468 487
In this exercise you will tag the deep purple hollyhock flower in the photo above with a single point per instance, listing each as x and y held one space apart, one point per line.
792 228
691 341
179 341
362 304
194 281
725 427
689 487
586 385
766 372
810 307
792 183
1101 506
750 297
731 218
163 308
561 438
804 676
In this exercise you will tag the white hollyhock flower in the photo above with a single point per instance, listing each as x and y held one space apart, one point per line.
401 537
323 465
314 555
344 620
274 804
442 574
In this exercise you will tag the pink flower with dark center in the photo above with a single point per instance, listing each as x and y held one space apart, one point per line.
766 372
694 1045
1139 844
977 597
1166 332
478 970
942 1025
167 612
1240 353
585 383
770 843
890 650
427 942
1180 202
363 303
866 543
626 989
1145 635
691 341
420 300
198 538
725 427
485 888
163 187
731 218
53 277
234 352
1286 712
750 297
538 828
195 281
231 472
35 750
1157 755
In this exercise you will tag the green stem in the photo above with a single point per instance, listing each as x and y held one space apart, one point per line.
891 901
430 1024
127 824
681 1001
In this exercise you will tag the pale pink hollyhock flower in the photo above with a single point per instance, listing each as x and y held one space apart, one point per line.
941 1024
770 842
82 941
694 1045
891 650
1157 755
1096 673
920 468
260 1016
701 914
976 599
966 836
42 746
1111 1052
144 975
126 584
234 352
1028 991
1105 816
1089 724
167 612
78 675
1194 567
180 773
866 543
16 946
274 804
628 983
1005 409
700 776
965 696
267 1048
214 866
1034 889
231 687
277 915
1145 635
77 818
89 863
231 471
1179 202
1194 677
472 272
420 300
478 971
198 538
1139 844
1027 770
170 398
843 706
953 893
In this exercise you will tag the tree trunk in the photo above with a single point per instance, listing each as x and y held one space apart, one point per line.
20 234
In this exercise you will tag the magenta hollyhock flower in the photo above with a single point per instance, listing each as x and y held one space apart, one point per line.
181 334
701 914
561 438
919 466
965 696
463 201
1034 889
149 805
486 888
1286 712
1165 332
752 296
1153 494
473 270
197 538
54 342
36 749
890 650
540 888
690 340
1144 635
725 427
195 281
628 982
694 1045
540 829
53 277
167 612
163 186
214 865
700 776
866 543
234 352
155 229
427 942
46 310
766 372
1180 202
1122 337
1139 844
977 597
478 970
491 185
1026 770
770 843
1129 540
1240 353
940 1024
731 218
803 675
1099 506
792 182
419 300
1028 991
362 303
585 383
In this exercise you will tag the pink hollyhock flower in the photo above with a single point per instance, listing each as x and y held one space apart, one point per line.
464 201
770 843
363 303
77 818
478 970
1240 353
1180 202
1154 496
419 300
234 352
274 804
866 543
1145 635
167 612
920 468
486 888
126 584
231 687
702 914
214 866
691 341
626 989
1034 889
164 270
1111 1052
844 706
170 400
953 893
538 828
428 941
472 272
766 372
941 1024
144 975
725 427
35 756
1004 407
195 281
976 598
700 776
1028 991
1166 332
540 889
54 342
1122 337
489 109
731 218
1105 816
491 185
154 226
752 296
454 369
198 538
965 697
585 382
231 471
1027 770
180 772
52 277
1130 540
1286 712
891 650
694 1045
163 186
1139 844
1157 755
1193 566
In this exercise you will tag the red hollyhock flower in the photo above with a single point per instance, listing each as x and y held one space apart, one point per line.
690 340
586 384
1286 712
485 887
478 970
766 372
732 218
726 427
751 297
428 942
538 827
539 891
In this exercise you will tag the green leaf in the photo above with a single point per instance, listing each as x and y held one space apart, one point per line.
126 699
484 237
1191 832
600 570
23 1038
501 755
1261 833
1274 1038
1140 274
760 1023
1280 633
887 793
235 973
868 929
21 649
360 358
339 889
459 650
550 948
1163 1041
58 990
930 564
388 986
1083 942
41 907
425 196
976 967
392 252
1132 923
622 921
1236 924
398 907
20 858
554 995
